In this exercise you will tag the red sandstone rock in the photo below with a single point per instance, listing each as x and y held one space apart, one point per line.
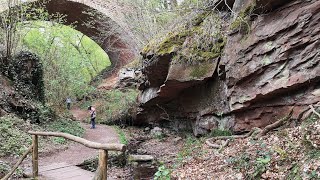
265 73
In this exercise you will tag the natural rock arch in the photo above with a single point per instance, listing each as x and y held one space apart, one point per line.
106 26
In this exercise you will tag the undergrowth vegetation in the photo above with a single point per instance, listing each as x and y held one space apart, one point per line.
114 107
290 154
121 134
14 139
163 173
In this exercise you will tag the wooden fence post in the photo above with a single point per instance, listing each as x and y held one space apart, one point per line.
101 173
35 169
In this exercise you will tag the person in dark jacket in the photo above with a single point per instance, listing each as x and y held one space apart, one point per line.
68 101
92 112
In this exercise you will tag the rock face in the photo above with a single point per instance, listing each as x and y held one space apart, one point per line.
269 65
276 67
129 78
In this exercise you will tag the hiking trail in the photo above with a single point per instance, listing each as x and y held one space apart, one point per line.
77 153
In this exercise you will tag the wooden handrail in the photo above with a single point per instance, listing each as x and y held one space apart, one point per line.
90 144
18 163
101 173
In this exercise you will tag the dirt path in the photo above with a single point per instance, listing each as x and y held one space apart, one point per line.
80 115
108 83
77 153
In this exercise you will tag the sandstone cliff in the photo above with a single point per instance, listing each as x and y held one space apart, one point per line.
234 68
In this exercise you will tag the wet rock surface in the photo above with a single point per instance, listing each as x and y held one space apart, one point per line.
263 72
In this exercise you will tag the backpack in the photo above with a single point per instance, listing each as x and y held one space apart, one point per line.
93 114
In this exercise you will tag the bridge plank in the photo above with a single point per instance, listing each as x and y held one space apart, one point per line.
54 166
61 171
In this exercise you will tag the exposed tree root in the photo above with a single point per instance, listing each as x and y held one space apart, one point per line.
254 133
228 138
275 125
224 145
257 132
314 111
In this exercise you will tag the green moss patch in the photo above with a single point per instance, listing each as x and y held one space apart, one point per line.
241 23
199 40
199 71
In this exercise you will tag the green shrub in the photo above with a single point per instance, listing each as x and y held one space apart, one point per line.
260 166
163 173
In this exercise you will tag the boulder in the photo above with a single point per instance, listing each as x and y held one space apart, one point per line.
205 124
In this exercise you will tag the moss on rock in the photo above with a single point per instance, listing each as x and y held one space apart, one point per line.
193 48
193 42
241 21
202 51
199 71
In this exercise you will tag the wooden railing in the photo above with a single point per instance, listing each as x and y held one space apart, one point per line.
101 173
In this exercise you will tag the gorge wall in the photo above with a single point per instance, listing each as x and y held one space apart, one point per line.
236 70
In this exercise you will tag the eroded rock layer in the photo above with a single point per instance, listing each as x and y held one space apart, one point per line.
246 73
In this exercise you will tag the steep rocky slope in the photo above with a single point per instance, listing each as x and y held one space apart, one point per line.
237 71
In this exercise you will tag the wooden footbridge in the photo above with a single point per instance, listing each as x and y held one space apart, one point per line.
63 171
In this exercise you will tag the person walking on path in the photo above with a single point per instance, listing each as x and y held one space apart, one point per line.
68 101
92 112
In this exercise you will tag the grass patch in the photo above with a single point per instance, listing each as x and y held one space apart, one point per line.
121 134
220 132
66 126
